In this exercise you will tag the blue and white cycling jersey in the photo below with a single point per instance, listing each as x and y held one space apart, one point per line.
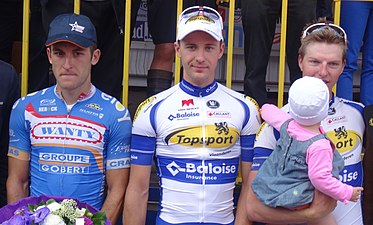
70 150
345 127
197 136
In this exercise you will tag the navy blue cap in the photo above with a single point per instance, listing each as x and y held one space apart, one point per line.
72 28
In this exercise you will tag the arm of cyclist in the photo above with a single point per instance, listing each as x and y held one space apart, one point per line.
241 216
136 200
321 206
18 179
117 181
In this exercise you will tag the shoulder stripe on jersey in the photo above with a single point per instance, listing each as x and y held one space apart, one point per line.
235 95
244 105
153 113
247 112
358 106
276 133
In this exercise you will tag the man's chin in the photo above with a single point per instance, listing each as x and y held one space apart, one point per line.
68 86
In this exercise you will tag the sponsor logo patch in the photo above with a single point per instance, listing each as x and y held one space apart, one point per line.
48 109
67 131
94 106
336 119
344 140
47 102
143 106
188 102
218 135
218 114
213 104
182 116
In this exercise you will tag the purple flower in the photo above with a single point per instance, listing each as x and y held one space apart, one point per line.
87 221
21 217
40 214
23 211
17 220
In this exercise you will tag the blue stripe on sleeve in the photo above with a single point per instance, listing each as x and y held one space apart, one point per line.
247 144
260 155
142 149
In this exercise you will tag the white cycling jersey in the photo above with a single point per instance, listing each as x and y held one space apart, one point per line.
197 136
345 127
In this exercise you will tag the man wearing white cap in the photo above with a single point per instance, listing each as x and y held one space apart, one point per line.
304 158
322 55
197 132
70 139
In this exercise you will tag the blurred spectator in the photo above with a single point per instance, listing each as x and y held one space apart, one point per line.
9 93
357 21
259 22
10 26
324 9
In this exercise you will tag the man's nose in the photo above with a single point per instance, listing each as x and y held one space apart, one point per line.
323 71
200 57
67 62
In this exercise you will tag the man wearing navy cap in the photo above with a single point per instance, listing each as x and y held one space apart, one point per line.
70 139
108 16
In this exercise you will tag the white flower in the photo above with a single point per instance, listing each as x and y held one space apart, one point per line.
80 212
40 207
54 206
79 221
53 220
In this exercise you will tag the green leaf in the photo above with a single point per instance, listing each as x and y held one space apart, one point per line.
50 201
99 215
98 221
88 213
32 207
41 203
99 218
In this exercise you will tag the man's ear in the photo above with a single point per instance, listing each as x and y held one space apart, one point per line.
95 56
177 48
221 48
49 52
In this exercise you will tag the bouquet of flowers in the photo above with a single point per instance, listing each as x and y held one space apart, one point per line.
51 211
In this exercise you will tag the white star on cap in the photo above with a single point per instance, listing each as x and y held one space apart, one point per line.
75 26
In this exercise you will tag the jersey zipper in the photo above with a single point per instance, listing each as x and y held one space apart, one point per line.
203 126
64 143
64 147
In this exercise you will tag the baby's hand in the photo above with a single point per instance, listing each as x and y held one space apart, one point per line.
356 193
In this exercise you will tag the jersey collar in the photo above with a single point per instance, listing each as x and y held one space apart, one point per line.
331 100
331 110
198 91
82 96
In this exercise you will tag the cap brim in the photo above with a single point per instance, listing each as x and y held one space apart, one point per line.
72 39
199 27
